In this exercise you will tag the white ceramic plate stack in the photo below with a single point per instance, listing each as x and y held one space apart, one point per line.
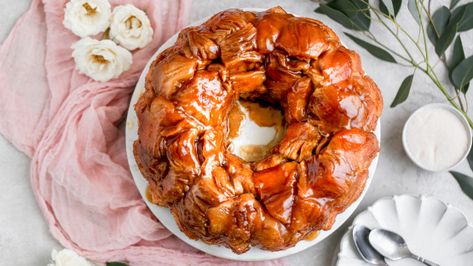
164 215
431 228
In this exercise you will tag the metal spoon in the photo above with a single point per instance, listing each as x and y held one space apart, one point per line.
393 246
367 252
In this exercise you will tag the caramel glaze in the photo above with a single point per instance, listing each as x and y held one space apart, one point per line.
235 117
316 171
263 116
312 235
253 153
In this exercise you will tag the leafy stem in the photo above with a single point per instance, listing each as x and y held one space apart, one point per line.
380 14
373 38
424 36
428 69
441 28
451 100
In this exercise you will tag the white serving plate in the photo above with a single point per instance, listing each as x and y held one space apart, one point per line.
431 228
165 216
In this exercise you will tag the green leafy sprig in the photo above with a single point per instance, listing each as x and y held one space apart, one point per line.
441 29
465 182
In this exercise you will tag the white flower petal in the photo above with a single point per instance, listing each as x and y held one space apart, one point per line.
53 254
101 60
67 257
87 17
130 27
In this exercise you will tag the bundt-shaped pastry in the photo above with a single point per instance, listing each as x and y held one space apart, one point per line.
318 168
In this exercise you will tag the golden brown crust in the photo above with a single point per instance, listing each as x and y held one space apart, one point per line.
315 172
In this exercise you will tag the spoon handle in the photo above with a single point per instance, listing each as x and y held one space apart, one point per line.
425 261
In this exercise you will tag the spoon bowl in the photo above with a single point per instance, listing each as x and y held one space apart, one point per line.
392 246
360 234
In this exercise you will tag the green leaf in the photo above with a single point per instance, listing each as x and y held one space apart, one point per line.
446 39
467 21
460 16
396 4
463 72
439 22
115 263
372 49
412 6
453 3
458 55
448 34
337 16
361 14
465 182
403 91
465 87
387 5
356 10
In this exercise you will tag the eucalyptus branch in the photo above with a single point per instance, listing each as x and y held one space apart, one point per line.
459 100
380 14
466 102
395 36
424 36
373 38
441 28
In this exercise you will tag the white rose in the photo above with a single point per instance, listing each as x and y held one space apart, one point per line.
130 27
101 60
87 17
67 257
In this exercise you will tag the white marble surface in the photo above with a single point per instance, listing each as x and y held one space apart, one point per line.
24 238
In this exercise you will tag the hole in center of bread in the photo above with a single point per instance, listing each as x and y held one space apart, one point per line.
254 129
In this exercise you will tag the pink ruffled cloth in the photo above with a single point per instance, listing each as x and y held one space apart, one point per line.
69 125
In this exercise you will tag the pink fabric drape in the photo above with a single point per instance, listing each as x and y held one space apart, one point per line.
69 125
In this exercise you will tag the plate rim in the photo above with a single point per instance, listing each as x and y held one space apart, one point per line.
217 250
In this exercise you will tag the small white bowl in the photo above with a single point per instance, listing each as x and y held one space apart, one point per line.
453 111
